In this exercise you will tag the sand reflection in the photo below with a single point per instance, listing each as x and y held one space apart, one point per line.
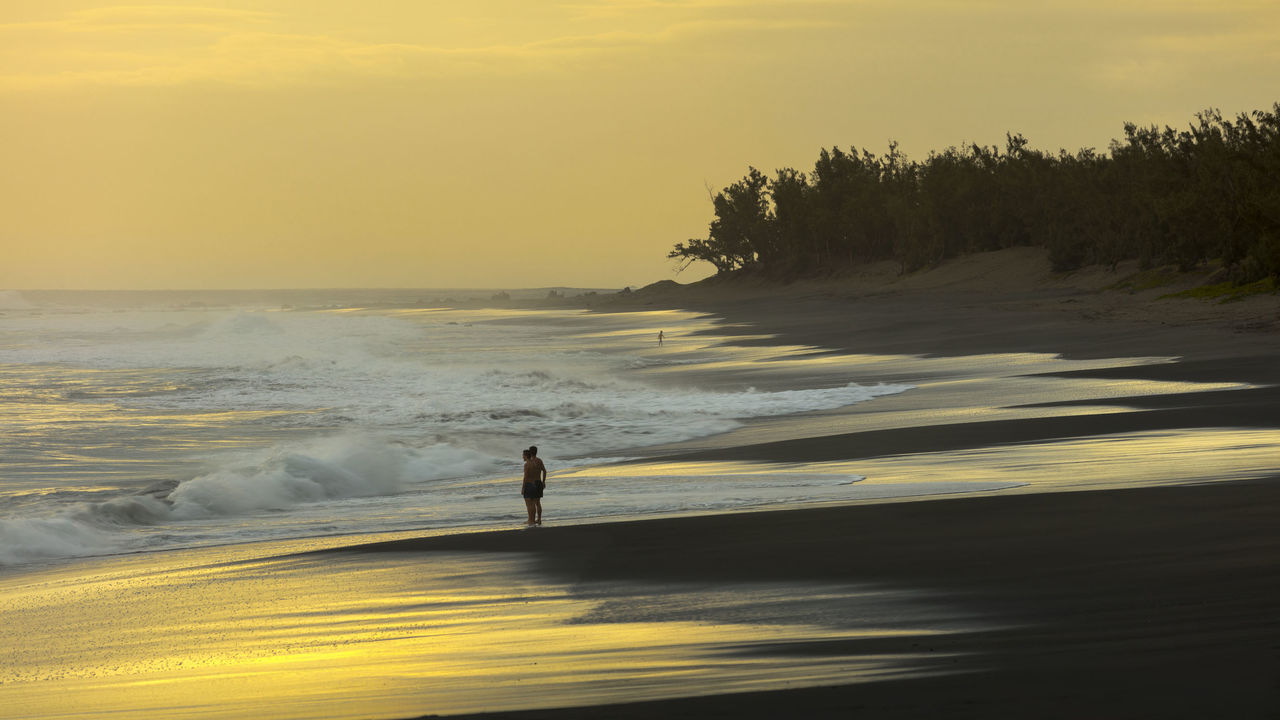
1101 462
396 636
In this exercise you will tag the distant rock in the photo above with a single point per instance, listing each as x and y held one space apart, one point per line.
661 286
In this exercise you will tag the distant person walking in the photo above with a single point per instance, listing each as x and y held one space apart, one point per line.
659 338
535 481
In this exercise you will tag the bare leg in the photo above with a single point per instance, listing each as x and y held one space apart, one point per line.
537 504
529 504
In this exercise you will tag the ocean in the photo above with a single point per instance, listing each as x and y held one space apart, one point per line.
146 421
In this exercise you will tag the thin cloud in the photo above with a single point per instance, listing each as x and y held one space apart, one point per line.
132 18
629 6
240 55
113 45
165 14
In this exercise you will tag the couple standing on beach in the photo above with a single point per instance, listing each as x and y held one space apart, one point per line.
535 481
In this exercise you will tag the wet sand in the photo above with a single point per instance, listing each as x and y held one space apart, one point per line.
1158 602
1120 603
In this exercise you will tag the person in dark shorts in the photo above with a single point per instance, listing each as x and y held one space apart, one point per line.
535 481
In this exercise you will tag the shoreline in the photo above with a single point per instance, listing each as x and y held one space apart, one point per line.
1134 601
1145 602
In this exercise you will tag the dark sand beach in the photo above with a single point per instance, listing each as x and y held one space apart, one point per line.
1142 603
1105 544
1116 603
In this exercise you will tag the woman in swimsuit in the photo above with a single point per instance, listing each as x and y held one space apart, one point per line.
535 479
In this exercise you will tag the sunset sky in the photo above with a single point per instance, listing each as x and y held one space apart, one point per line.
515 143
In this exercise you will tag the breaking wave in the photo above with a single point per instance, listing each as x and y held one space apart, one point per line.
361 407
326 469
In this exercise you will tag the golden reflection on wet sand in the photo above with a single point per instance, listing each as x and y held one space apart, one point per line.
392 636
1102 462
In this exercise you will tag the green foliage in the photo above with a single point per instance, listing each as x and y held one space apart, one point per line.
1161 196
1148 279
1228 291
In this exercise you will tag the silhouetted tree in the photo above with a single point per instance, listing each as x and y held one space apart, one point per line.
1160 195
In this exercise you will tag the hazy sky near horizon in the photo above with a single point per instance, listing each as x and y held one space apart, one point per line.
514 143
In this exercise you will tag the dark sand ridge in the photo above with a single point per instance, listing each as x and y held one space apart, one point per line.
1134 603
996 302
1154 602
956 311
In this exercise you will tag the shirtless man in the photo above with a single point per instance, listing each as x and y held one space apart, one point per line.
535 481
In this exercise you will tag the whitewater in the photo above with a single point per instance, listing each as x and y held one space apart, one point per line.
151 421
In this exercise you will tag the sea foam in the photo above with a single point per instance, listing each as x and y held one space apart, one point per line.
14 300
256 424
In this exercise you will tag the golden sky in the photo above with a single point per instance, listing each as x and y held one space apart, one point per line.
528 143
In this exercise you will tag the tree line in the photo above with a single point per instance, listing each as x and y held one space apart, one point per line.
1161 196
